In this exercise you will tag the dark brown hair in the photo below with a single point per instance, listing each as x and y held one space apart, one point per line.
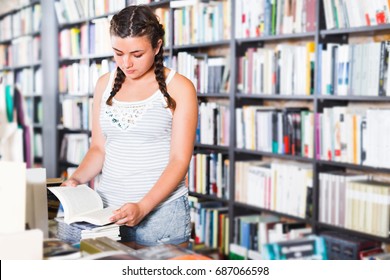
138 21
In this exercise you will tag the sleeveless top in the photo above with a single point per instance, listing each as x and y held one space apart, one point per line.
138 136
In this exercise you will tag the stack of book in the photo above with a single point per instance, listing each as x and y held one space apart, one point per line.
75 232
84 215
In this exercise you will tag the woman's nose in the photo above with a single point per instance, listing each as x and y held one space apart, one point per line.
127 63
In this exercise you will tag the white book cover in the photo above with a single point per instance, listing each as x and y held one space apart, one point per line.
239 128
321 199
336 199
257 176
330 23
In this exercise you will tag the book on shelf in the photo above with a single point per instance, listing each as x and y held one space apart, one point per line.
343 70
355 13
82 203
252 231
237 252
201 225
310 247
341 246
333 196
74 146
274 186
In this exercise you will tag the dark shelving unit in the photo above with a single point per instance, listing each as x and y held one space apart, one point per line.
51 99
31 98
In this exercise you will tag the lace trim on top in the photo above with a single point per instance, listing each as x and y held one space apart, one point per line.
126 115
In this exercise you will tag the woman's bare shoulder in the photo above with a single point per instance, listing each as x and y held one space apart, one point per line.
181 87
103 80
101 84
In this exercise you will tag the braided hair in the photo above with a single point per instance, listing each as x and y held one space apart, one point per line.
138 21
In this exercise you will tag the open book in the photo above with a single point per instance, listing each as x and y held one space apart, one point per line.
82 204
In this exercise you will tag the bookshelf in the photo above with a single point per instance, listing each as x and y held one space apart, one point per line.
21 68
316 102
83 56
372 99
233 45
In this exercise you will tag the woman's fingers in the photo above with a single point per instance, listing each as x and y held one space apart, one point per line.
122 221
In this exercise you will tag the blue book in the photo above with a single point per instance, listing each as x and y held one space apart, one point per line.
267 17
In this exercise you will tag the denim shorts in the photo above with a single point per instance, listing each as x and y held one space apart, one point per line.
169 224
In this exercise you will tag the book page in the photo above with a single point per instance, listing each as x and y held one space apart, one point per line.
99 217
77 201
104 228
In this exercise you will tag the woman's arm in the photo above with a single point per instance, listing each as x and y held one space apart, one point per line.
184 124
92 163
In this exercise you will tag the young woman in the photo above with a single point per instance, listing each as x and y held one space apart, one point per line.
144 122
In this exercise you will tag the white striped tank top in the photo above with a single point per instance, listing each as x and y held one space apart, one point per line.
138 136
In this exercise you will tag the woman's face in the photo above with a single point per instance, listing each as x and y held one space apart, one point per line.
134 55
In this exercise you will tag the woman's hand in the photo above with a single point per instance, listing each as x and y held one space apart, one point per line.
130 214
70 183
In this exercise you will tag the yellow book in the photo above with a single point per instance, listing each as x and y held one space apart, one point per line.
310 52
75 41
226 240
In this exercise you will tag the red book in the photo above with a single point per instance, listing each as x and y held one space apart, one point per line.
381 17
310 15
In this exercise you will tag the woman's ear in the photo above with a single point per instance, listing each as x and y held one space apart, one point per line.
159 43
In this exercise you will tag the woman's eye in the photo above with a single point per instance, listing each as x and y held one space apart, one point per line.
138 55
118 54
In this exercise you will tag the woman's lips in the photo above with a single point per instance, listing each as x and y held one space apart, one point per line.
129 72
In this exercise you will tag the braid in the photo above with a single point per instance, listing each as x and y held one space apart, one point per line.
160 78
119 79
